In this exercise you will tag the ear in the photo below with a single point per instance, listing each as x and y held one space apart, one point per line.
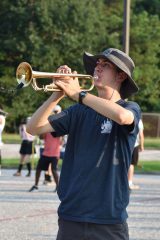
121 77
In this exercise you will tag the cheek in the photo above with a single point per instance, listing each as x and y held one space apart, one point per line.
107 77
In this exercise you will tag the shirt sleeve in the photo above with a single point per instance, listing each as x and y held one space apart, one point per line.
61 122
135 109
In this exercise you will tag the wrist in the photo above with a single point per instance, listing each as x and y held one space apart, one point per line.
82 95
75 97
57 96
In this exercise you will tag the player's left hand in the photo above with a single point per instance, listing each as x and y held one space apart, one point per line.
69 85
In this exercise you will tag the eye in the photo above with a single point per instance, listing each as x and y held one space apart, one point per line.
105 64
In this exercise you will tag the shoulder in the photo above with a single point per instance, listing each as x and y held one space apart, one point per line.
77 108
130 105
72 111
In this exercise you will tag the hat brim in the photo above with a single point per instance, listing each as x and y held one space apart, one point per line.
128 87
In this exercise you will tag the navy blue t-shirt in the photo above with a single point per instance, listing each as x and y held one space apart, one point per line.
93 183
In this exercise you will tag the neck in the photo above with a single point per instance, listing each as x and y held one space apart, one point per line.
109 94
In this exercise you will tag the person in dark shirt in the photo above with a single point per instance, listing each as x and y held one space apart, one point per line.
102 130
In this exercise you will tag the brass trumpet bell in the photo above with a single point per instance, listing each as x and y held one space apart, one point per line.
25 76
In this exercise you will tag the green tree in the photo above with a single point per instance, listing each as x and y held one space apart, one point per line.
46 34
50 33
145 50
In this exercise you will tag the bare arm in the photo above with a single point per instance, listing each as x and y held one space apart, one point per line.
2 120
109 109
141 139
103 106
39 123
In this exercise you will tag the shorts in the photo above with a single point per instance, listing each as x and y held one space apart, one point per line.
135 156
44 162
26 147
79 230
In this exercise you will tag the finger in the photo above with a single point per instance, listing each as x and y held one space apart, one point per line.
64 69
75 78
60 84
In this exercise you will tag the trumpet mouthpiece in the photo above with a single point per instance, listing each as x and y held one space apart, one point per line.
95 77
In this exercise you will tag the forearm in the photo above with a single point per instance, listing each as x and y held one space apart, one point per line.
109 109
39 124
141 136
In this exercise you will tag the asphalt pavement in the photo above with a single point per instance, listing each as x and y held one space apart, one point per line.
33 215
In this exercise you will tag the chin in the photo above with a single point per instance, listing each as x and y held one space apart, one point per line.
99 86
97 83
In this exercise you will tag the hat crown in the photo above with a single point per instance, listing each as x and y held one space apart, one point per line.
123 57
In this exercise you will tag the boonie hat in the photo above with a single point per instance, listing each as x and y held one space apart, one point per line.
121 60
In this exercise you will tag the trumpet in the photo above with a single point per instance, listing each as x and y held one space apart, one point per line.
25 76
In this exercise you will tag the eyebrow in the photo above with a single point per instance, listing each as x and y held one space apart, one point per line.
104 61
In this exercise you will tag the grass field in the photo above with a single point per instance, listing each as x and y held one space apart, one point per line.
149 143
143 166
11 138
148 167
14 162
152 143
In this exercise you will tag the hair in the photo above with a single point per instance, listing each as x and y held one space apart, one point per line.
23 121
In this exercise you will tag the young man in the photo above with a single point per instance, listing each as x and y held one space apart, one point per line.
93 187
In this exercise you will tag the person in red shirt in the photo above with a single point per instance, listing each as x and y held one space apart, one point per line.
50 155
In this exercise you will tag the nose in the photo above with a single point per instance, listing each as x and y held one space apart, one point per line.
98 68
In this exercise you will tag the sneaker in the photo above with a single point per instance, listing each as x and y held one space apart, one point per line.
34 189
17 174
134 187
47 182
47 178
28 175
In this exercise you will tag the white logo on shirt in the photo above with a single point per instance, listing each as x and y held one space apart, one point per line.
106 126
115 159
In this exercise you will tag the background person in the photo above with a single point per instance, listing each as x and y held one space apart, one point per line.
48 174
49 157
63 146
139 146
93 187
26 149
2 123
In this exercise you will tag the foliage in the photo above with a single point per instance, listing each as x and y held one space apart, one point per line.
49 33
145 50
